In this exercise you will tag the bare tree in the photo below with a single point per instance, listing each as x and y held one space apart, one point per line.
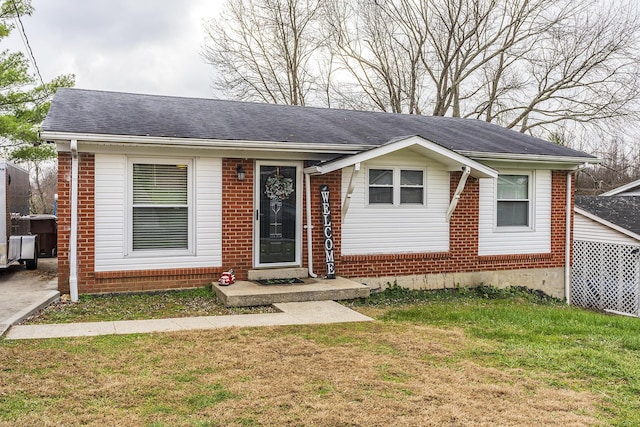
537 66
44 186
620 165
263 49
378 53
524 64
582 69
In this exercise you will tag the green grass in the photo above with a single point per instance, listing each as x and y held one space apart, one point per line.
566 345
136 306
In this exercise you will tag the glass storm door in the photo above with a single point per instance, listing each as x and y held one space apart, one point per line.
278 198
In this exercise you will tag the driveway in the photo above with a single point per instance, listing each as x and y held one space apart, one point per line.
23 292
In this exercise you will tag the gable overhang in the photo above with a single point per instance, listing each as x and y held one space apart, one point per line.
451 159
606 223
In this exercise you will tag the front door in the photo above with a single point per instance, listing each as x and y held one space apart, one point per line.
278 214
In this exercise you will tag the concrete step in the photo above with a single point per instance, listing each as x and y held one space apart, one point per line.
278 273
246 293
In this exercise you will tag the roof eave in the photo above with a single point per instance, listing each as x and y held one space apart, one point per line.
537 158
606 223
622 188
90 138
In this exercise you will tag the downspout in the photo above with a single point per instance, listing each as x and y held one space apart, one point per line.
567 237
73 237
309 227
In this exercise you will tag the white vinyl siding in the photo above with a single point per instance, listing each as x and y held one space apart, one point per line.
536 238
111 215
388 229
587 229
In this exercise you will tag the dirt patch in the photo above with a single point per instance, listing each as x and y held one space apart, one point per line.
47 269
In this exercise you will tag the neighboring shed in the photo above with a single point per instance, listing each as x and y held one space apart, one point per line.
630 189
606 265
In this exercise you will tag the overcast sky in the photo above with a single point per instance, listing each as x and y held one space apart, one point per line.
142 46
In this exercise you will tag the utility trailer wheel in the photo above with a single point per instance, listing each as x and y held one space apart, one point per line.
32 264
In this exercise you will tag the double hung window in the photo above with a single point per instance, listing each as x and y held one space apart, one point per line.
395 186
513 201
160 206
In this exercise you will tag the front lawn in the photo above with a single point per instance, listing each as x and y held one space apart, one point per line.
456 358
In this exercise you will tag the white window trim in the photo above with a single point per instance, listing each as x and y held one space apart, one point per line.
397 187
532 201
191 204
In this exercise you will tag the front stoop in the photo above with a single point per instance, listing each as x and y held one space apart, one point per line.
246 294
278 273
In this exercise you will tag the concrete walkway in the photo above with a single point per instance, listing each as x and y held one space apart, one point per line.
24 292
292 313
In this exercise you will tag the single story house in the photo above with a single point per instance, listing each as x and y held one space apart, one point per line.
606 267
159 192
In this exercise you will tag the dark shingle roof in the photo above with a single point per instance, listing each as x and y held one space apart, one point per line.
114 113
623 211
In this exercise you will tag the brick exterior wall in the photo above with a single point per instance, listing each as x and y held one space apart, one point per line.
237 236
237 217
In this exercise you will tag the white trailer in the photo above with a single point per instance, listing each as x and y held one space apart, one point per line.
17 246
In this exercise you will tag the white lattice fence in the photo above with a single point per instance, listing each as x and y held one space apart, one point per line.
606 276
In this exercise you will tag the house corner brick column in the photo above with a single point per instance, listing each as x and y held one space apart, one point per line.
86 221
464 225
558 212
237 217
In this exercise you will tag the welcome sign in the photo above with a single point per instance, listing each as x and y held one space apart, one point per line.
327 232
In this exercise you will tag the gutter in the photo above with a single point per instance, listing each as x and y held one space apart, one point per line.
73 237
168 141
567 236
528 158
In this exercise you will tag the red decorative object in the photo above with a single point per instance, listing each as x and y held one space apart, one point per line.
227 278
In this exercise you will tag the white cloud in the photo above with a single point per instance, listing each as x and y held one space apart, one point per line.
122 45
